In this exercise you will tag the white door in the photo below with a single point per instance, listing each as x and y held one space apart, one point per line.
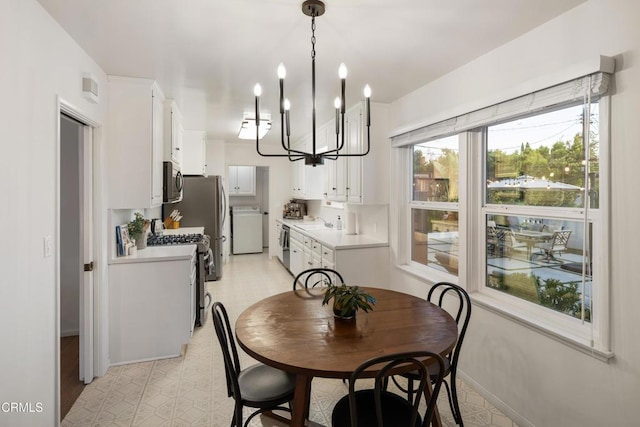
76 239
86 286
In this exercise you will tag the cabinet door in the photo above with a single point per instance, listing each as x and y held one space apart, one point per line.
296 260
156 149
242 180
246 180
336 170
135 146
297 172
176 135
193 152
354 145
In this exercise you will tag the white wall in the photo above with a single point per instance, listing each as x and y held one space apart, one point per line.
40 62
544 382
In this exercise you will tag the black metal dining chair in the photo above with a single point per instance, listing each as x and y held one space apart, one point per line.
317 277
258 386
462 314
380 407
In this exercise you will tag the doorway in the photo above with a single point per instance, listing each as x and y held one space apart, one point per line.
75 314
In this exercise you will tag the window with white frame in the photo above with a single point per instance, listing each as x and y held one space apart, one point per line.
539 230
434 204
537 235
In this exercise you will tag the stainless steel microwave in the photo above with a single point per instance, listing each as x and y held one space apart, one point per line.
172 183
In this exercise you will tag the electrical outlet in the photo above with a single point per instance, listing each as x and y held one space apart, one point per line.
48 246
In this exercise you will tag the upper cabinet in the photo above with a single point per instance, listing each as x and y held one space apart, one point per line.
308 181
361 179
135 139
242 180
194 152
173 133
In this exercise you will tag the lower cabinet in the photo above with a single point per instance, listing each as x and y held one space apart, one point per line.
296 253
365 265
151 309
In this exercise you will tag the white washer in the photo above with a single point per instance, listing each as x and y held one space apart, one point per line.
247 229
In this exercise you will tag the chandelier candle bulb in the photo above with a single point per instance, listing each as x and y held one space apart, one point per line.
257 91
287 106
282 73
336 103
342 72
367 95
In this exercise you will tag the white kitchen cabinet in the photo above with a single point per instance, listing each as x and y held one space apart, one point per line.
327 258
242 180
359 259
151 309
308 180
194 152
135 143
362 179
296 257
173 133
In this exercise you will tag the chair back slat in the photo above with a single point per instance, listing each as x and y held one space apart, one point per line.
229 351
328 277
462 312
416 361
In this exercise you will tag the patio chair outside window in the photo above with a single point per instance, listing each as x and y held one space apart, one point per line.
558 243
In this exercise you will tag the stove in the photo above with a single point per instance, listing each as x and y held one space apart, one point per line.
174 239
203 267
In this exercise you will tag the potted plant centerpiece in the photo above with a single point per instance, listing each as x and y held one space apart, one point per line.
137 229
347 300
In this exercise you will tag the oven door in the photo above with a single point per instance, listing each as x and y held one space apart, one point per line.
172 182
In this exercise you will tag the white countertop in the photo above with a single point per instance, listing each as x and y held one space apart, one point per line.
163 253
333 238
158 253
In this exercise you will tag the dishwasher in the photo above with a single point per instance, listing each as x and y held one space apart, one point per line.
283 242
246 230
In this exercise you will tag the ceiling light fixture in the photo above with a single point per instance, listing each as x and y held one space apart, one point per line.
312 8
248 127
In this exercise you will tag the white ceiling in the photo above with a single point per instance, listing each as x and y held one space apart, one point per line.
223 47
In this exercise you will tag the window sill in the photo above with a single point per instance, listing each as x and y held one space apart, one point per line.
513 312
509 312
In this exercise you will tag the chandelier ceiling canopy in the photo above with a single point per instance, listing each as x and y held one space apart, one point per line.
312 8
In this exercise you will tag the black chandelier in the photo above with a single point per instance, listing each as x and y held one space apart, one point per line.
312 8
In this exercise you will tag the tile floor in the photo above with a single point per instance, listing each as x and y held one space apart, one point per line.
191 391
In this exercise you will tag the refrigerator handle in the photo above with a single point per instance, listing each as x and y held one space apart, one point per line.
224 205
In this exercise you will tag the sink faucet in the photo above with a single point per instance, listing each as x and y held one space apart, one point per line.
326 224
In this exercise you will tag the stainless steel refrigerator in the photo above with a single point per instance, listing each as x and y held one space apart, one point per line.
204 204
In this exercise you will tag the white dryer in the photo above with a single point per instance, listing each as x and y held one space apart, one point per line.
246 232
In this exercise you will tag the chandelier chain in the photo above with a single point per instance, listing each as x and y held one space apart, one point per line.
313 36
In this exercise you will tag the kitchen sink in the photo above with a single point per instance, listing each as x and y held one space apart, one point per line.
312 226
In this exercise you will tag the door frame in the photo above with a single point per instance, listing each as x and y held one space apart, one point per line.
99 347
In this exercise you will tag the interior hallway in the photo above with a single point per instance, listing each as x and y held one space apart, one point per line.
191 390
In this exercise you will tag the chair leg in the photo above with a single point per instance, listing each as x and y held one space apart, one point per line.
452 394
237 416
410 390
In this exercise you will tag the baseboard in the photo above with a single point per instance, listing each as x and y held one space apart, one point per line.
503 407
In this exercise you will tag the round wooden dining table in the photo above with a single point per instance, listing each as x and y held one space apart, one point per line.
294 332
